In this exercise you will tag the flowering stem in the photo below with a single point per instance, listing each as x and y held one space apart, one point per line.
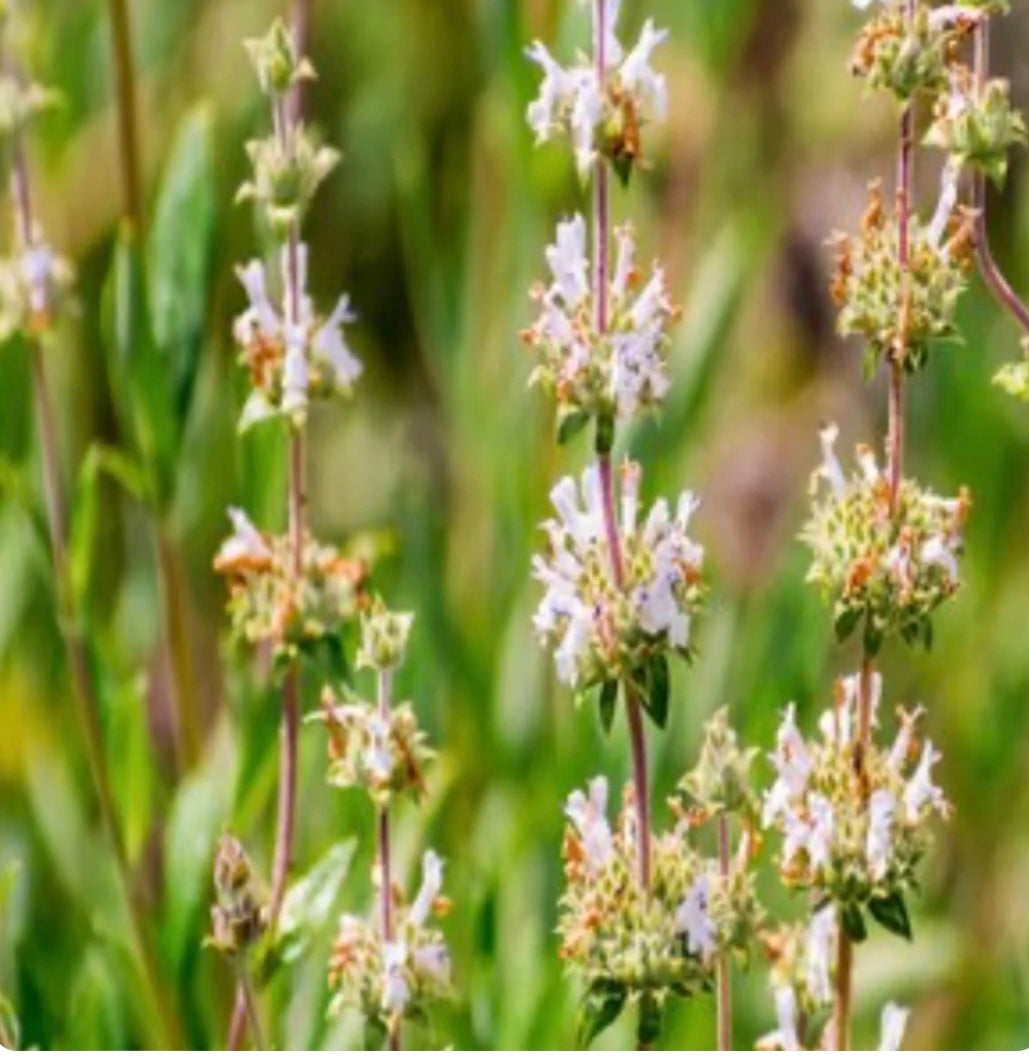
988 267
722 968
385 696
85 697
121 39
841 1011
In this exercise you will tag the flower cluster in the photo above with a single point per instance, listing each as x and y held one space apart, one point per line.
384 754
22 101
720 782
292 355
802 958
608 623
238 916
35 285
614 371
602 115
977 125
909 58
1013 378
388 980
854 835
269 602
901 313
887 569
627 947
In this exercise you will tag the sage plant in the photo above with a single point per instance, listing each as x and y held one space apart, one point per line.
643 915
394 968
855 815
287 592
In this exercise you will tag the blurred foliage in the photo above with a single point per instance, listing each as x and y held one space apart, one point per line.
436 224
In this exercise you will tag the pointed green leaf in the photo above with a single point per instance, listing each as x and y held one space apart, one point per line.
892 913
656 690
600 1008
311 900
607 702
570 424
846 622
179 252
648 1031
10 1029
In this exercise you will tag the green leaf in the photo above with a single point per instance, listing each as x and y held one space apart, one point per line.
853 922
846 622
8 877
179 252
96 1008
310 903
648 1031
608 701
10 1030
604 440
570 424
85 535
374 1035
600 1008
623 169
892 913
873 638
656 692
140 384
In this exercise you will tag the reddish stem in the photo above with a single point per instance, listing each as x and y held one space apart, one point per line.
722 968
385 702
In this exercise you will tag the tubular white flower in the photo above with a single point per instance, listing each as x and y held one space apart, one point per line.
830 469
786 1015
819 952
543 112
894 1023
396 993
694 922
882 806
568 263
432 885
329 344
920 790
639 79
792 763
246 544
588 814
433 960
938 551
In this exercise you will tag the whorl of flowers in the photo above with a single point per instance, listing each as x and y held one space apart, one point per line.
385 755
238 916
887 571
977 126
628 948
387 981
720 781
802 973
268 603
604 122
602 632
619 371
901 314
853 836
293 353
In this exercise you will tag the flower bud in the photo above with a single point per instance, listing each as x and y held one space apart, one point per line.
275 60
384 636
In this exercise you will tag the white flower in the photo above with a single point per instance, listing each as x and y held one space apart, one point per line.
819 953
625 261
637 77
395 990
786 1015
260 322
294 371
586 112
588 814
433 960
432 884
568 263
830 469
905 736
862 5
37 264
938 551
245 544
792 763
377 757
543 113
920 789
330 345
894 1021
693 921
820 833
882 806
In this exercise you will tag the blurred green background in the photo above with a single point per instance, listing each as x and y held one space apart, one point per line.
436 224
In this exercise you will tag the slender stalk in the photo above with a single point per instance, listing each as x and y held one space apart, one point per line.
85 697
988 267
601 250
385 702
246 989
844 971
128 127
285 115
723 979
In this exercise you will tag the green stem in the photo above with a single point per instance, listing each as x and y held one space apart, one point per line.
128 128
